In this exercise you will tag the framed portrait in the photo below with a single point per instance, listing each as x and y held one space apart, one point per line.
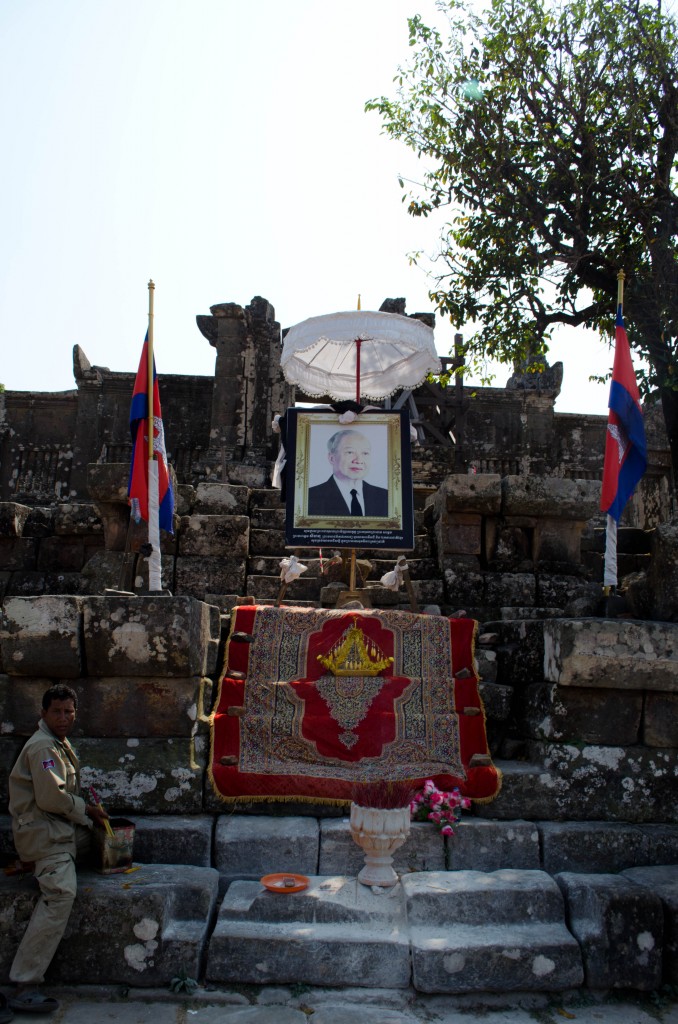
349 485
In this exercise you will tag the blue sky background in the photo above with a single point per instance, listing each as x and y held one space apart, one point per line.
219 147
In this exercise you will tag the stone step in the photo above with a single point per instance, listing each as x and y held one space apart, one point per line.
501 931
137 929
462 932
335 930
247 846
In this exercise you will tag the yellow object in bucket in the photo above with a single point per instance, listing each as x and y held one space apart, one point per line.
114 852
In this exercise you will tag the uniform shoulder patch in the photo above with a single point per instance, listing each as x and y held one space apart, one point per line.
46 765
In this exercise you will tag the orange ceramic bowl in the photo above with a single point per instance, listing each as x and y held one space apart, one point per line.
284 881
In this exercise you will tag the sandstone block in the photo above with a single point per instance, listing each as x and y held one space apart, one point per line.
151 776
26 583
586 715
481 845
40 636
141 933
173 839
663 881
556 591
184 499
566 783
615 653
250 847
591 846
217 499
214 535
510 589
496 700
18 553
455 949
464 589
196 577
40 522
550 497
557 541
521 651
108 482
104 569
469 492
77 519
335 930
268 518
265 497
248 476
147 636
592 782
60 553
660 720
459 533
12 518
619 926
663 572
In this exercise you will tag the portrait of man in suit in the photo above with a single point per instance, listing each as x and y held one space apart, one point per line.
346 492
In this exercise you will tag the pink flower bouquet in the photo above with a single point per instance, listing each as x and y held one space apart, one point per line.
443 809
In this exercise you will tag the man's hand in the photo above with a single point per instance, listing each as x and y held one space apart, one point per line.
97 813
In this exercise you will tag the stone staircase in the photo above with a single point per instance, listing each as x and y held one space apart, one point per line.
500 906
569 878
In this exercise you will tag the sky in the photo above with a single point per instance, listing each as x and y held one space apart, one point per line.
220 148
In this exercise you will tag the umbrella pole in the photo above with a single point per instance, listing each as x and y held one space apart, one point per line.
358 343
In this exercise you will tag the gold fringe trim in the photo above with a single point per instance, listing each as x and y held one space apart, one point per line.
244 800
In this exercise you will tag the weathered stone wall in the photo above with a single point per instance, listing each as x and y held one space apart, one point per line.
143 669
219 428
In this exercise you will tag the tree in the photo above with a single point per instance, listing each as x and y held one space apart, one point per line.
550 134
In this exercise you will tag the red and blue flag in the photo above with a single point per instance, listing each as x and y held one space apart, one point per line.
625 446
138 421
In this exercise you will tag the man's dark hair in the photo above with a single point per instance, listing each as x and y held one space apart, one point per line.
59 692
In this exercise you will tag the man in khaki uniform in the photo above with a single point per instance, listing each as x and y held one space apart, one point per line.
52 824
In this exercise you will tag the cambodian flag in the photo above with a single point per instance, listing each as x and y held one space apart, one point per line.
625 447
138 421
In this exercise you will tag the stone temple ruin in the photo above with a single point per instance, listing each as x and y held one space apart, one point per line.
573 867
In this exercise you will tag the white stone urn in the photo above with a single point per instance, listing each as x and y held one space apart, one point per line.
379 832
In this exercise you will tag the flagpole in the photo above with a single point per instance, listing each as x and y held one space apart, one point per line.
151 411
610 562
154 561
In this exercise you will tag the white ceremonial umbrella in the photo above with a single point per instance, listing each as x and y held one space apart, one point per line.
358 354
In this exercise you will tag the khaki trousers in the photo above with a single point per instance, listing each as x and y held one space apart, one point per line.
56 877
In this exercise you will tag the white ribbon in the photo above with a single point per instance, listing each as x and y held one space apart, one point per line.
291 568
393 580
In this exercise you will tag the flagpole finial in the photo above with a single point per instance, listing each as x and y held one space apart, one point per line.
151 285
621 277
358 301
